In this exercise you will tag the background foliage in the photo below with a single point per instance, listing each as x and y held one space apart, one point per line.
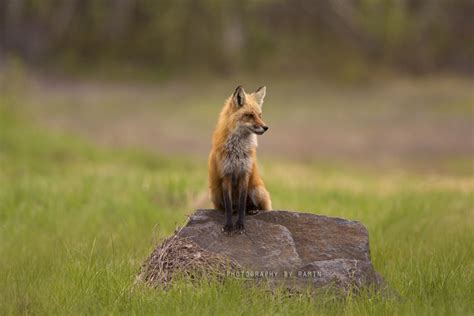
228 36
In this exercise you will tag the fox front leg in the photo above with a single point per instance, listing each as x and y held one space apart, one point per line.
243 187
227 192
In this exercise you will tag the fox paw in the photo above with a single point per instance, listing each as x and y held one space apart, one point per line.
252 212
227 229
239 228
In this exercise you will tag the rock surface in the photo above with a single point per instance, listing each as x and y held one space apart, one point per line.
290 248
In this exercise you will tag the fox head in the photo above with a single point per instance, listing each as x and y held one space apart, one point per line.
247 110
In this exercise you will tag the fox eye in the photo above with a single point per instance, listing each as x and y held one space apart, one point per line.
249 115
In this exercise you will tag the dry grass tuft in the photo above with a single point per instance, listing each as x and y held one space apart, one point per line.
178 256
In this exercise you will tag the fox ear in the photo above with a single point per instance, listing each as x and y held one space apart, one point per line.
260 94
239 96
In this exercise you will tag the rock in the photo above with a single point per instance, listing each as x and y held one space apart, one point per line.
285 248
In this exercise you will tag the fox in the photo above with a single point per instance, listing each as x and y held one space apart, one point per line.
234 180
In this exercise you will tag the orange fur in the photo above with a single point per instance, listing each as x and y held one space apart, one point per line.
231 117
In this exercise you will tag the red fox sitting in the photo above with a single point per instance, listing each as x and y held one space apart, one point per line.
234 180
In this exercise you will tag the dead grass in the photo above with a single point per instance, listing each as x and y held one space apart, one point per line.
183 258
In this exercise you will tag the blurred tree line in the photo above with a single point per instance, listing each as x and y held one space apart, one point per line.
227 36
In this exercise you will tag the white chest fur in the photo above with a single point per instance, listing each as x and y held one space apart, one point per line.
238 160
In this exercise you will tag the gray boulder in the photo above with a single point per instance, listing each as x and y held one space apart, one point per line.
285 248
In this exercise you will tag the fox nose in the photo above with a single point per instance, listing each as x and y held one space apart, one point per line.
265 128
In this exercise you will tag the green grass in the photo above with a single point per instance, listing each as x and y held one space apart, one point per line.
76 222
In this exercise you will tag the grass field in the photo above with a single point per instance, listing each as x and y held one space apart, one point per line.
77 220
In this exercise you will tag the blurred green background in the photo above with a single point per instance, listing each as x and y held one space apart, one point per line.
106 115
348 38
371 82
